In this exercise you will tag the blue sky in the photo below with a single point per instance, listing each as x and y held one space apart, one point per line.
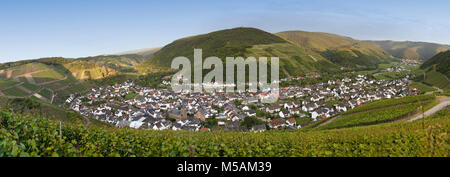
76 28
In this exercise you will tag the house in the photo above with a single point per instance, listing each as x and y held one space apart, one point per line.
284 113
291 122
316 98
294 111
250 113
288 105
201 115
250 100
274 124
259 128
309 107
341 107
296 104
272 109
177 126
177 114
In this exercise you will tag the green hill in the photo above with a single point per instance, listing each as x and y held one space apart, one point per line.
240 42
411 50
441 61
435 71
341 50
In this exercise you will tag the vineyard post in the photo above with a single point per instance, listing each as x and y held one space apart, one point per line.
423 113
60 132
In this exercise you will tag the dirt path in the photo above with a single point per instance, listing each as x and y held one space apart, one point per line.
444 102
29 78
24 89
328 121
41 97
314 58
438 90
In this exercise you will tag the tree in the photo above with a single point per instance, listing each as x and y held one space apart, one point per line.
249 122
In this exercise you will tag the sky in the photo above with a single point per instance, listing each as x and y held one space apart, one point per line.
32 29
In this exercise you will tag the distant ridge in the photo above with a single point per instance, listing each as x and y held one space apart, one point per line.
146 53
411 50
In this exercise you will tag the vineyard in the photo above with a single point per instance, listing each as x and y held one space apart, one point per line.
31 136
390 102
364 115
372 117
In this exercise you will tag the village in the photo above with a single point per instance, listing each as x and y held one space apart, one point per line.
134 106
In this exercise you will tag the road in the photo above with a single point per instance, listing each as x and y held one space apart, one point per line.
438 90
444 103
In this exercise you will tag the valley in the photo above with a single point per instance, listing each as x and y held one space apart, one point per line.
338 97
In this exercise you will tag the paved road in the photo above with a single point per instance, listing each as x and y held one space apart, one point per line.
433 110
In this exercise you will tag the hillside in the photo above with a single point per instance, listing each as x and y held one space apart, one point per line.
341 50
441 62
18 134
435 71
121 63
411 50
240 42
50 79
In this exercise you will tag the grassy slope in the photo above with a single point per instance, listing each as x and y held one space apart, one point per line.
341 50
411 50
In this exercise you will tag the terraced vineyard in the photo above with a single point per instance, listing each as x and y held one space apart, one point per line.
372 117
14 91
29 86
7 83
390 102
31 136
422 87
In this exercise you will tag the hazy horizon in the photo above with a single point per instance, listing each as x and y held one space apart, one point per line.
48 28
